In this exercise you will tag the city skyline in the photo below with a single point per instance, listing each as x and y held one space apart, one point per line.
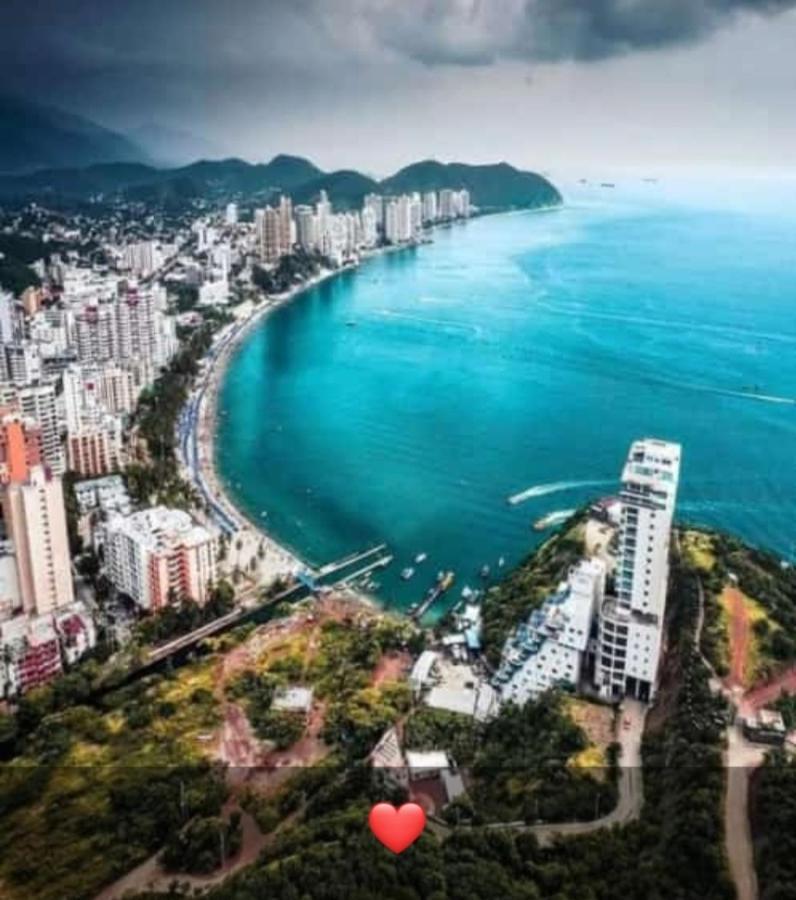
706 83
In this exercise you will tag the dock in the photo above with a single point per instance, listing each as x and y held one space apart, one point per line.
433 595
381 563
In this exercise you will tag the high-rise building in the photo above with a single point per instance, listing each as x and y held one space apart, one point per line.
159 554
271 235
20 446
142 258
96 448
35 521
286 239
430 206
21 363
8 330
375 203
323 212
32 298
306 228
95 333
631 623
231 214
39 402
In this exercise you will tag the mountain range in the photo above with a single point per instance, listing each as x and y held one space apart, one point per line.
491 187
34 136
48 153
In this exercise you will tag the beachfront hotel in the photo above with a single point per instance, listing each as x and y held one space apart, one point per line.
631 623
583 624
159 554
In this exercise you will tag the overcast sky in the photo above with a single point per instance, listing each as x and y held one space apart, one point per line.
373 84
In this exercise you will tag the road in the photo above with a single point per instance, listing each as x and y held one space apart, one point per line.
631 784
631 788
740 758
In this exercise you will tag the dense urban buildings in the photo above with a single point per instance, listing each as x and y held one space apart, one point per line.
77 351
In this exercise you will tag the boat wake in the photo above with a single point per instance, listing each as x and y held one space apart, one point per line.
553 487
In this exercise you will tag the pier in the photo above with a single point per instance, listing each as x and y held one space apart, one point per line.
433 595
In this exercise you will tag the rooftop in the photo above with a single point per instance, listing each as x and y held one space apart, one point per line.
160 528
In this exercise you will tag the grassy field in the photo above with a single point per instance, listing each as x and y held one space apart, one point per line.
96 790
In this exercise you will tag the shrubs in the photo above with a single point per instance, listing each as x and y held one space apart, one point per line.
197 849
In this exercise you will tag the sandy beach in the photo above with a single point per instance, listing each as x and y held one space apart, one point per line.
251 549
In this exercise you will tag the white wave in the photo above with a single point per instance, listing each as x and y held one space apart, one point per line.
557 518
553 487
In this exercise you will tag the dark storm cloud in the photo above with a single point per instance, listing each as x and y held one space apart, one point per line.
75 37
479 32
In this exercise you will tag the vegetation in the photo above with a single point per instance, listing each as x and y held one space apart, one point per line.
205 843
770 589
159 479
683 774
518 763
93 791
290 271
186 615
773 813
529 585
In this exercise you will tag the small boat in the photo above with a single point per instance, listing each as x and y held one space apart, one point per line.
421 557
447 581
501 562
413 608
485 571
263 514
407 573
467 592
351 323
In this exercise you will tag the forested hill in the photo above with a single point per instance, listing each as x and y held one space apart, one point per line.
491 187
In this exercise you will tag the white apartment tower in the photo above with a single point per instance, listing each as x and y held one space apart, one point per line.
631 623
306 228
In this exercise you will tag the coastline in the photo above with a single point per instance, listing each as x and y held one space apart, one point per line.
280 560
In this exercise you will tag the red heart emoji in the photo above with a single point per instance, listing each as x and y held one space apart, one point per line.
397 829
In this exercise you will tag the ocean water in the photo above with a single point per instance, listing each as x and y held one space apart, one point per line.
523 351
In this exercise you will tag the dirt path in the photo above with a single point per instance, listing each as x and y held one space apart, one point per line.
767 693
391 667
151 876
739 636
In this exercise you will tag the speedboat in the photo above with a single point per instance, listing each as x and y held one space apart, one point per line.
485 571
421 557
407 573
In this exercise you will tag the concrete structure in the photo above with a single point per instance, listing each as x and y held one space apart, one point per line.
35 520
631 624
422 671
550 648
294 699
96 449
160 554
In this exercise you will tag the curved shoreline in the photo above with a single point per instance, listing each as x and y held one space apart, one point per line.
205 474
279 559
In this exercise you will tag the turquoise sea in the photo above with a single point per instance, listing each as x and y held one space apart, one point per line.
527 350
